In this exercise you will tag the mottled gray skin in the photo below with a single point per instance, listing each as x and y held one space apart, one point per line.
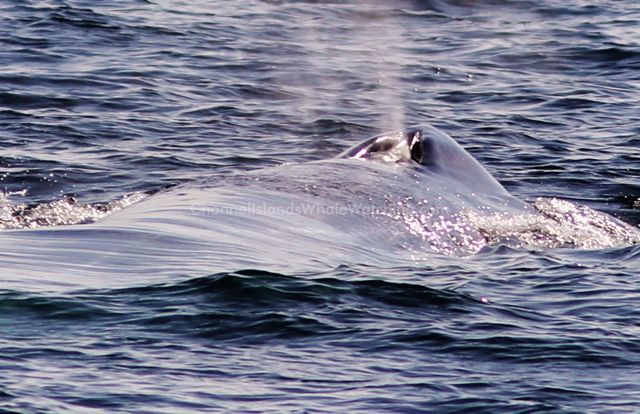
410 196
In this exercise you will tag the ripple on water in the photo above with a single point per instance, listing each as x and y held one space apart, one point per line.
100 100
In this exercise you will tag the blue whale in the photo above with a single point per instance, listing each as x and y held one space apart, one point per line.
406 196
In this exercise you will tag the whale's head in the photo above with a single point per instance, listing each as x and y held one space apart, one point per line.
435 152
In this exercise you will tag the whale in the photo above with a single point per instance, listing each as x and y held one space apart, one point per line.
408 196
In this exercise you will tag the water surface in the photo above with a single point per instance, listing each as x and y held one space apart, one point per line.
104 103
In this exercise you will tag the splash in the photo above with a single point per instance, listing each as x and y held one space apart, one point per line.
556 224
65 211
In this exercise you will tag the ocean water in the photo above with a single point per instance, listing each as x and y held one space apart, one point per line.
119 119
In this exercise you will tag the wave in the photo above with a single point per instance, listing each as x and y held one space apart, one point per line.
254 307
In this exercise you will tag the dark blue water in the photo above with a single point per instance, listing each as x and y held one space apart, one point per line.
105 103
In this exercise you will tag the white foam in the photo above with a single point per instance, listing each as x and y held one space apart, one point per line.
555 224
60 212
